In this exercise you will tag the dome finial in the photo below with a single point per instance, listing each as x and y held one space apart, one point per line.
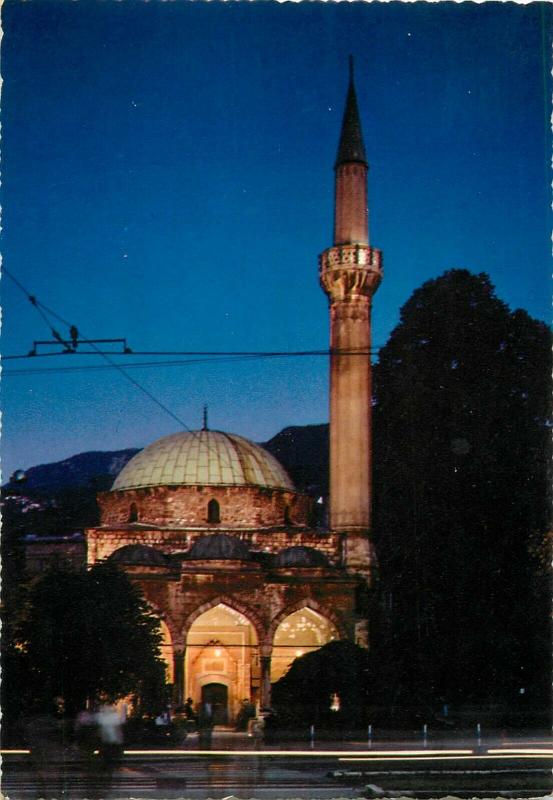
204 426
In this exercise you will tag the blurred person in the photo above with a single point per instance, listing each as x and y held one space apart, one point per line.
110 734
48 739
205 725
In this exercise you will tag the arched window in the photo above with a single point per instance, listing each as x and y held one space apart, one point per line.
287 517
213 511
133 513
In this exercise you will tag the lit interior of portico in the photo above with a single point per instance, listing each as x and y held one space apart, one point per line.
222 661
300 633
166 651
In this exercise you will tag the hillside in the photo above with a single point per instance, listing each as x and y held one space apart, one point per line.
60 497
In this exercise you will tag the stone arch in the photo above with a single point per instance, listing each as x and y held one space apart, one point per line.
314 605
167 651
161 614
232 603
222 648
169 632
301 628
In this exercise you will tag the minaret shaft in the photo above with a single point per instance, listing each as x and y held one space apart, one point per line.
351 216
350 272
350 427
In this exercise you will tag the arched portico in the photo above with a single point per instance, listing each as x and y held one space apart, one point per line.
166 651
221 653
171 648
299 630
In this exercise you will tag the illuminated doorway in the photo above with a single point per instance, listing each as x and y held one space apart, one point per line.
299 633
222 651
216 694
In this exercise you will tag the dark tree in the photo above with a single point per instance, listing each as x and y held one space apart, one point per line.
304 694
461 494
80 635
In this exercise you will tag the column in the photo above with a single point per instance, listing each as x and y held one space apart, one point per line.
265 700
178 676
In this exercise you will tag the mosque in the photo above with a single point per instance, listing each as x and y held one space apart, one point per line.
213 531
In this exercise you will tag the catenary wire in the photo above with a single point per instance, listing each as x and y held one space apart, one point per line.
41 307
229 353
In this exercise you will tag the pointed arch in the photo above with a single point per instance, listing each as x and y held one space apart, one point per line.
166 651
170 639
314 605
234 605
301 628
159 612
222 648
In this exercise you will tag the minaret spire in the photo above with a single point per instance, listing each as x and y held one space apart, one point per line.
204 426
351 148
351 214
350 272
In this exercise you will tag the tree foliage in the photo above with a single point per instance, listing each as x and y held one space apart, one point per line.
461 492
341 668
80 635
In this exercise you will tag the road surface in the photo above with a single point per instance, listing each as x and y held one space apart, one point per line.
511 770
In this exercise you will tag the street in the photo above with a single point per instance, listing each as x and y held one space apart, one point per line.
511 769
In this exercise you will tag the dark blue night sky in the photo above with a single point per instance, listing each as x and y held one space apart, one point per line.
167 177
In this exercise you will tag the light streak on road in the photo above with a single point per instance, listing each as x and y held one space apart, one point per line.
522 750
473 757
344 755
427 752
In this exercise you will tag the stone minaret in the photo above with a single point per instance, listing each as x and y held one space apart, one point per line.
350 272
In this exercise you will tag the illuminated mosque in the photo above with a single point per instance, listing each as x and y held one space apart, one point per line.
213 531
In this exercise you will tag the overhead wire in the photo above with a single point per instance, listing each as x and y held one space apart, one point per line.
214 353
140 365
43 308
207 356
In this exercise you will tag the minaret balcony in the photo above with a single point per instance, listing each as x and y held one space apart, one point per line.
349 271
357 255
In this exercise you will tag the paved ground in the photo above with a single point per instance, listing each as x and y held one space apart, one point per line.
458 766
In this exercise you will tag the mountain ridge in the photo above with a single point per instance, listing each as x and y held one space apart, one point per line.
302 450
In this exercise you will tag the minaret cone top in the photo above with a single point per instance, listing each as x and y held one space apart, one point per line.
351 147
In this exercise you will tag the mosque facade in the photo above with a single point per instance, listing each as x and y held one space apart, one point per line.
213 531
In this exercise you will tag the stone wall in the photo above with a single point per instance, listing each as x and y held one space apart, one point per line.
265 599
239 506
103 541
64 552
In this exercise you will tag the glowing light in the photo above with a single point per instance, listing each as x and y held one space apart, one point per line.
299 653
532 750
344 755
217 653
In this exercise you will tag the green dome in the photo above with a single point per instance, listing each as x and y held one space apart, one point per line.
203 458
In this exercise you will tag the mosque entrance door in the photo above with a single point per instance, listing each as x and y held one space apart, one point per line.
217 695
